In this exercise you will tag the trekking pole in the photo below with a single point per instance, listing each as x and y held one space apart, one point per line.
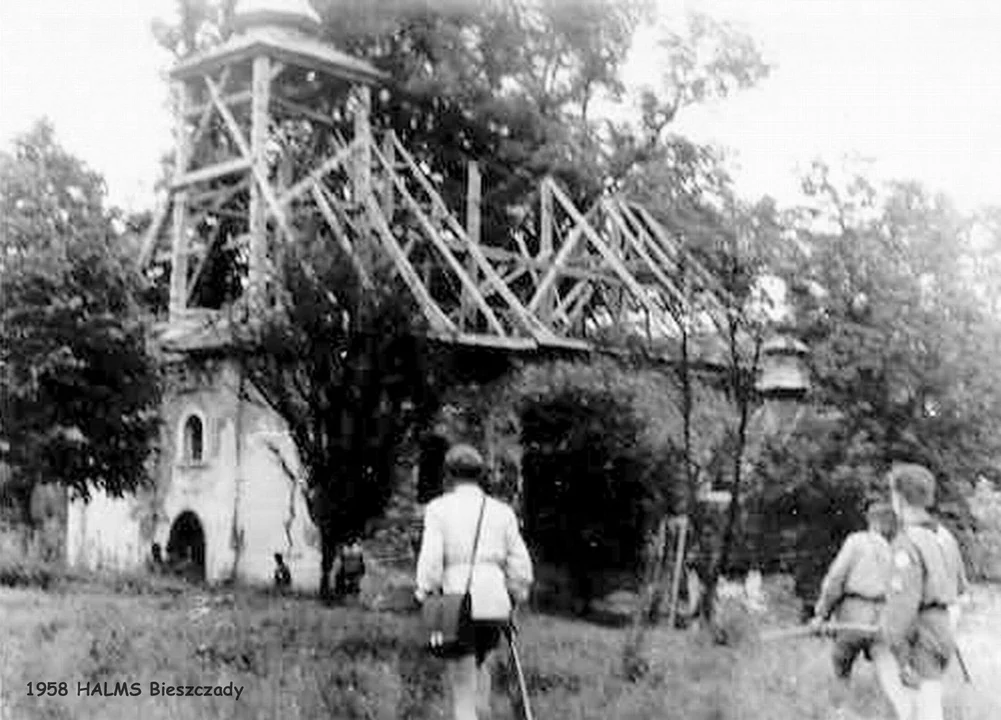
516 661
962 666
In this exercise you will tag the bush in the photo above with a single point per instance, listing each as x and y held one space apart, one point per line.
591 488
28 573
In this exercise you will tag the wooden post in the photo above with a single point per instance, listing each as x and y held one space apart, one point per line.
546 245
679 563
261 87
473 196
362 175
389 191
362 170
179 248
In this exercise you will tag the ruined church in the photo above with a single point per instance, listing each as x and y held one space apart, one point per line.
228 490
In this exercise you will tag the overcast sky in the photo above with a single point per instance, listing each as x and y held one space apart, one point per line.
915 85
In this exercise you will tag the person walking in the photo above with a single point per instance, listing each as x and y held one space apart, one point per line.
854 588
915 627
501 570
950 546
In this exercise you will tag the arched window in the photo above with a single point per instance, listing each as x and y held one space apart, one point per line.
194 439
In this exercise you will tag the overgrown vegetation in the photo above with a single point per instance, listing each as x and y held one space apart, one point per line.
295 660
79 394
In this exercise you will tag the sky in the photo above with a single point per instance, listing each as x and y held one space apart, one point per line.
913 86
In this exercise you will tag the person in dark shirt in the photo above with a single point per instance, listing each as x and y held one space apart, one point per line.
283 576
351 570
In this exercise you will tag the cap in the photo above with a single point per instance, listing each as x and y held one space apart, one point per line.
464 461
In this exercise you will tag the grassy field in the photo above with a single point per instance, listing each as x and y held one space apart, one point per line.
295 659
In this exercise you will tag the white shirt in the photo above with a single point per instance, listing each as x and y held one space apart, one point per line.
502 562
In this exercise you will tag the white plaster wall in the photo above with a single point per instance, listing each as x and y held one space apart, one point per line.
104 534
273 512
207 490
255 494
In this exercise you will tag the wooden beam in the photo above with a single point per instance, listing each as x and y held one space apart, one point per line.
432 234
635 289
202 262
569 245
233 99
629 240
388 190
211 172
700 270
259 176
473 193
525 317
152 233
206 112
337 229
439 321
305 185
219 196
179 246
305 111
257 283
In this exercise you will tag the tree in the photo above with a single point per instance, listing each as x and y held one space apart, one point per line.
889 300
350 372
78 390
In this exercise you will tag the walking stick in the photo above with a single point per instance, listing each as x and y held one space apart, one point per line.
511 631
823 630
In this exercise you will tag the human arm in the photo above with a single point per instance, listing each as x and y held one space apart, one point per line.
833 586
431 558
517 561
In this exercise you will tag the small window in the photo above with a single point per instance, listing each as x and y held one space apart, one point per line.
193 439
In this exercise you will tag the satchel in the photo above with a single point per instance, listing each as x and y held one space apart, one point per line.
447 618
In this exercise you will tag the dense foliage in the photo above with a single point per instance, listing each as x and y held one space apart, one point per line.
78 391
348 371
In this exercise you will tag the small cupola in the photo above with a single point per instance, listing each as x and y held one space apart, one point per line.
784 373
294 14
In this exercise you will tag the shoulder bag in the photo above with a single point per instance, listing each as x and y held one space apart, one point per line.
448 622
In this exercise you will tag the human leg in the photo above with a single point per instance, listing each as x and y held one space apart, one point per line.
928 705
900 697
462 677
487 637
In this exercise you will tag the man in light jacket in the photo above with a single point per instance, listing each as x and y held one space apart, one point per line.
501 570
854 589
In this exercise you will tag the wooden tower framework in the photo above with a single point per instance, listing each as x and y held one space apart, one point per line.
242 187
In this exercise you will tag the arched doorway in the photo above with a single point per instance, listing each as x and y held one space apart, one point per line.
186 546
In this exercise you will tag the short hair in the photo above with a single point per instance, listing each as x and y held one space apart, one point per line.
278 557
914 483
464 462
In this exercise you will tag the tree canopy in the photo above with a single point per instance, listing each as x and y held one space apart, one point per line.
78 390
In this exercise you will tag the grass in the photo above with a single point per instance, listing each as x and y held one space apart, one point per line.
296 659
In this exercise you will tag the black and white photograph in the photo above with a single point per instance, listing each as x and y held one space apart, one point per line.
500 359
